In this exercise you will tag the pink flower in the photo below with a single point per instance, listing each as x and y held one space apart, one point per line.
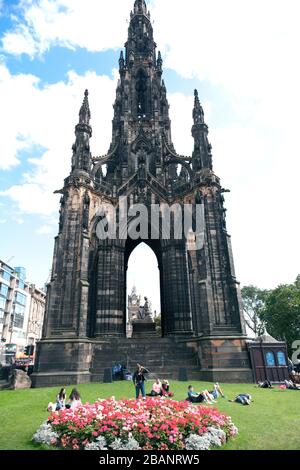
151 419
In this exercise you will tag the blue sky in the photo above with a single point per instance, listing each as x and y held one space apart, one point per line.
242 58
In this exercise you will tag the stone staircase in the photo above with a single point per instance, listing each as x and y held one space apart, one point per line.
163 357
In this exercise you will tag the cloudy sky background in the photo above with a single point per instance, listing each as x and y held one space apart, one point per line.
243 56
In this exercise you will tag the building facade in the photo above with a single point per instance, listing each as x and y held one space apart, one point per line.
22 307
85 323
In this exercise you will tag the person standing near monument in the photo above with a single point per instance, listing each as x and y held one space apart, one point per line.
139 380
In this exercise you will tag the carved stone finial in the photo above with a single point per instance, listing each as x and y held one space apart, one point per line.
140 6
159 60
85 113
121 61
198 113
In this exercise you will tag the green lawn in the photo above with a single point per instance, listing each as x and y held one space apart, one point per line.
271 422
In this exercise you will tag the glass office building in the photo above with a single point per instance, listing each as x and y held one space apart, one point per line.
22 307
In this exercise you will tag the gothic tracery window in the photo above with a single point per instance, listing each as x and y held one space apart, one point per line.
141 87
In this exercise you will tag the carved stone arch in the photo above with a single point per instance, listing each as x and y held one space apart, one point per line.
98 166
140 142
141 91
174 161
92 277
163 235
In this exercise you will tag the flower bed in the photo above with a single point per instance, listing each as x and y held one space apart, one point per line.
154 423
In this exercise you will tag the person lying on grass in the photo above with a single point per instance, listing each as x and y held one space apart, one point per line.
243 399
202 397
265 384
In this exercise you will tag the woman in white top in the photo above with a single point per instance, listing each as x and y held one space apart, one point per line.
74 400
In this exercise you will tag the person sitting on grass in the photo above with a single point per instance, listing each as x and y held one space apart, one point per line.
295 377
51 407
165 389
217 391
243 399
61 400
203 397
291 385
74 400
156 389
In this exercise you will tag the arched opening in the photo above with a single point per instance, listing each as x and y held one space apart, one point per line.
143 275
141 88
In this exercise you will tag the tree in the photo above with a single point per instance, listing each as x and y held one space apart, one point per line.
253 304
281 313
157 321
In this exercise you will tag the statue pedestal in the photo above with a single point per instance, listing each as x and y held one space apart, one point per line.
143 328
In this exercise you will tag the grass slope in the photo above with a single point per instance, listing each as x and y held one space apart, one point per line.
271 422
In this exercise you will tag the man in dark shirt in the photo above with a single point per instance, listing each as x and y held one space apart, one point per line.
139 380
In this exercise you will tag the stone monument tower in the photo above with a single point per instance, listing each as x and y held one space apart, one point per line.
85 323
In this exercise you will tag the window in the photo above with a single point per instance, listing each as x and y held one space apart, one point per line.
19 309
281 358
2 303
7 268
21 285
11 347
20 298
18 321
3 290
270 359
5 275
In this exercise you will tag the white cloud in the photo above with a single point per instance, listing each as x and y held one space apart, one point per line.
46 118
45 229
18 219
91 24
19 42
248 50
3 221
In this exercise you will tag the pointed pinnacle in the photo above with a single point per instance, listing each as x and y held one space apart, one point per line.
85 113
198 113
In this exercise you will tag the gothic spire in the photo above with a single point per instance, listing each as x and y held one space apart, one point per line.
159 62
141 109
121 61
85 113
202 157
198 113
81 149
140 45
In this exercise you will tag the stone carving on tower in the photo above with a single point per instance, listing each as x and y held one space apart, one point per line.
86 302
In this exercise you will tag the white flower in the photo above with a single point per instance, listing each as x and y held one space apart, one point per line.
196 442
131 444
45 435
99 444
217 436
